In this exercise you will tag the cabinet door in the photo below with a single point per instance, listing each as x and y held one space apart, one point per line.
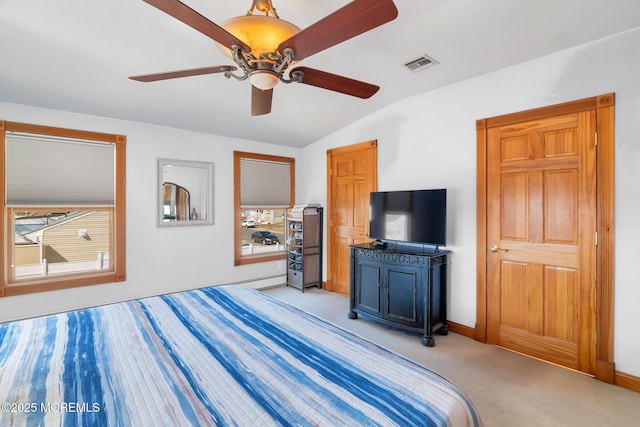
403 302
367 287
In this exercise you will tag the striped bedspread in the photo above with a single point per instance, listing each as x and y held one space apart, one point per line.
225 355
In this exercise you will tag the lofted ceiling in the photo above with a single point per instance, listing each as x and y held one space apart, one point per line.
76 55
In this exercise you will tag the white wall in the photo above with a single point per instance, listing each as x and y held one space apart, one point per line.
159 260
428 141
425 141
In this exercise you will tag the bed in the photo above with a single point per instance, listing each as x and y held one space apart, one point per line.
224 355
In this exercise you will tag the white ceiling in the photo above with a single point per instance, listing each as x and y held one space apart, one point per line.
76 55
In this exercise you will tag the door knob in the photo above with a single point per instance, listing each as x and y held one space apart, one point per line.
494 248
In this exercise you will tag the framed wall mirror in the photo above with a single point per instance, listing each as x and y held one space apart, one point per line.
185 193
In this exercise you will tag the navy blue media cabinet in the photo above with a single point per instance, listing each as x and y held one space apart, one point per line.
401 286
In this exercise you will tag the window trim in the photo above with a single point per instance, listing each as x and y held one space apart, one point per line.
239 259
9 288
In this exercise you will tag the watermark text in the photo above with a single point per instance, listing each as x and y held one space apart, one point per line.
65 407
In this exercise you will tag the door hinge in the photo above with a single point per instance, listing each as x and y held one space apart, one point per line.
596 239
596 138
595 337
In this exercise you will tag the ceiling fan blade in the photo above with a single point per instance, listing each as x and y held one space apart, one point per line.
184 13
260 101
351 20
183 73
336 83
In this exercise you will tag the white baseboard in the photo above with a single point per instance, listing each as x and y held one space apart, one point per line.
267 282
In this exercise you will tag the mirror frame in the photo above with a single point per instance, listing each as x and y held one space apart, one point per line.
207 193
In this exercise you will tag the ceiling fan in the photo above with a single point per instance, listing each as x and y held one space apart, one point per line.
263 46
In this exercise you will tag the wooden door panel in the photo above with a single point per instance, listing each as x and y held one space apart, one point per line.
560 142
561 207
540 182
561 299
513 298
342 168
516 148
343 204
360 168
515 207
352 176
360 212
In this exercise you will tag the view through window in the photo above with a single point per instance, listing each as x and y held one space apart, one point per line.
49 243
262 231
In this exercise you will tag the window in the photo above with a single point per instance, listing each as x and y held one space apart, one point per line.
63 208
264 190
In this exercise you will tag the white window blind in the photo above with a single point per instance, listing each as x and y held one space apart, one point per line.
51 171
264 183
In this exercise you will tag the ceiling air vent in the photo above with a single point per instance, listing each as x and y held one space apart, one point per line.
418 64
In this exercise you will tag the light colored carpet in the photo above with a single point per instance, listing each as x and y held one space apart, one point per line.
508 389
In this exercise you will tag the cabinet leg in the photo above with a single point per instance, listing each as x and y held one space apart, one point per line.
428 341
443 330
353 315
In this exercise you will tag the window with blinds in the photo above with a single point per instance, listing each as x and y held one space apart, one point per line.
43 170
264 190
63 206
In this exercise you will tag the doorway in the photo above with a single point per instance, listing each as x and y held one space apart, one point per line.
545 233
351 176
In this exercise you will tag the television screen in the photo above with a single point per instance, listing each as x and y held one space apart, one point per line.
417 216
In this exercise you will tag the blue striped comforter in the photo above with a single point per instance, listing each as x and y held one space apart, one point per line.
225 355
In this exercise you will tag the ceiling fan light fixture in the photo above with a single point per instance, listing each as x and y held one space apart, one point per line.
264 80
263 46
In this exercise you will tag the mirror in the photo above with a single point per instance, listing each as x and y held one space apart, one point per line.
176 203
185 192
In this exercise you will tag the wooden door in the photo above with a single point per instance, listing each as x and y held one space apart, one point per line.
352 175
541 236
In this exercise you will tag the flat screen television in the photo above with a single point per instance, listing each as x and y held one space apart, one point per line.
416 216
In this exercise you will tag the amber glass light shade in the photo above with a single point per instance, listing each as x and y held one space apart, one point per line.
261 33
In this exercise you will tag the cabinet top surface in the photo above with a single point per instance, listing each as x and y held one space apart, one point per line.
426 251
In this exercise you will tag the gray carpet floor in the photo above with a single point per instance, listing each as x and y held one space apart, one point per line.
508 389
